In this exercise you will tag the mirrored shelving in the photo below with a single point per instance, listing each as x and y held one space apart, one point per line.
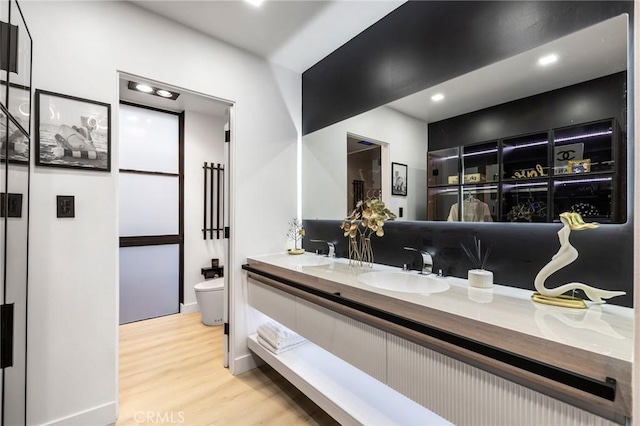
440 201
525 201
526 157
480 163
443 167
533 178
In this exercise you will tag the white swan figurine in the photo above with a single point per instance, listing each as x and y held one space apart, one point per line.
566 255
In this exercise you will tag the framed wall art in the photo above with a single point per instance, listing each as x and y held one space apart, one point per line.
399 179
72 132
20 69
20 106
13 141
579 166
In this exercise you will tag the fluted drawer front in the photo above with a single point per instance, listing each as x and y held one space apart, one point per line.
468 396
358 344
272 302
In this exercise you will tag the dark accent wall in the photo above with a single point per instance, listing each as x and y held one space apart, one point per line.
423 43
516 257
594 100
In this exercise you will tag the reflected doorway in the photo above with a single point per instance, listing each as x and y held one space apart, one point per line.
364 170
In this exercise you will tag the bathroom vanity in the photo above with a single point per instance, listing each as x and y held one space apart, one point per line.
472 356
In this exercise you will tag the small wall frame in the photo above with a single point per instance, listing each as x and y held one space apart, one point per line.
579 166
399 179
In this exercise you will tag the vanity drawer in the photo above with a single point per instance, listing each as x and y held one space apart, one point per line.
274 303
358 344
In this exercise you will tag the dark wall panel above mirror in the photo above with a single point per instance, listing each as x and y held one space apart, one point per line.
420 44
590 101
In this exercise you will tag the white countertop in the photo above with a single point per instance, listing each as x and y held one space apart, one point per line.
603 329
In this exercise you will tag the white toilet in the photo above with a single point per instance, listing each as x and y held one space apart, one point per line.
210 300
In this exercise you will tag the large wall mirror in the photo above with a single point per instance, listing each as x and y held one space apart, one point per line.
523 139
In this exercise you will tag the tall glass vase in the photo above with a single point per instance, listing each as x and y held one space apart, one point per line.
360 251
354 252
366 252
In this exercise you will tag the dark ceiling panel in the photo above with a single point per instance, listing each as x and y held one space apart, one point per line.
423 43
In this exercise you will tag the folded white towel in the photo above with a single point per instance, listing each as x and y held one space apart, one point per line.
278 351
278 335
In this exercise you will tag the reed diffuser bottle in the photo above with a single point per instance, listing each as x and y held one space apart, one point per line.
478 277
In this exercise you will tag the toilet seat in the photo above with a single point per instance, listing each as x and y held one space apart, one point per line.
211 285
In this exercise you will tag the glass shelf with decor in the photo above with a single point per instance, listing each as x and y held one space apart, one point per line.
525 201
587 148
443 167
440 201
591 196
525 157
480 163
479 204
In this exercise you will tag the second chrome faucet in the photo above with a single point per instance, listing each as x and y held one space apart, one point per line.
426 260
332 248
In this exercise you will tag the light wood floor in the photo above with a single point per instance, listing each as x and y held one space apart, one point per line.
171 373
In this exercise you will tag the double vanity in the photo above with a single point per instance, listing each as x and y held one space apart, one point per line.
435 342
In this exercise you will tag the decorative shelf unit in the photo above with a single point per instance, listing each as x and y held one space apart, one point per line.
532 177
525 201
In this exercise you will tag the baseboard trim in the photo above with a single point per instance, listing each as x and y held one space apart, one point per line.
101 415
245 363
189 308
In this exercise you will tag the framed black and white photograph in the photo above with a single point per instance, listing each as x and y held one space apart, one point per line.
72 132
20 53
16 141
20 106
399 179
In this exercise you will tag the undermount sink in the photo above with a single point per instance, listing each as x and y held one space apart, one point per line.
307 260
404 282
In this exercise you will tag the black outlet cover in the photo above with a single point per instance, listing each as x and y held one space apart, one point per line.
66 206
13 207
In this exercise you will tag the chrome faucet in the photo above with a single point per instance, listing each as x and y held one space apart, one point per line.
427 260
332 247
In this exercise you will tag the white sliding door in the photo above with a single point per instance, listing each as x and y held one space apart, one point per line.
151 231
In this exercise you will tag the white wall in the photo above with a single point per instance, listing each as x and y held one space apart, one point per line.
324 163
73 271
203 141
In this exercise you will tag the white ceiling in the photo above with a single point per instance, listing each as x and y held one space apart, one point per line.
295 33
298 33
292 33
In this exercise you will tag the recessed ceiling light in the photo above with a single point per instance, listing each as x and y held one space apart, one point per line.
256 3
437 97
547 60
150 90
144 88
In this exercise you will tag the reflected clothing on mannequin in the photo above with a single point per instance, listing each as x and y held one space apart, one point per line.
473 209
